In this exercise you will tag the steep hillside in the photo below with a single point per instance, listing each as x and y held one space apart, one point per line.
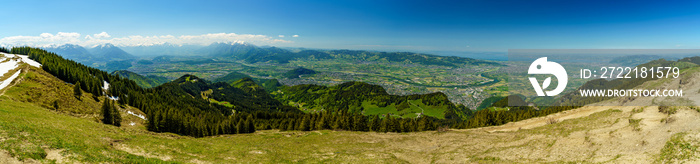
43 89
243 95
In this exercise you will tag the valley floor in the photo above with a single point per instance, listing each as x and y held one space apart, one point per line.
35 134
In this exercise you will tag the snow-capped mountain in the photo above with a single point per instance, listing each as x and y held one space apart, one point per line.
109 52
71 51
235 49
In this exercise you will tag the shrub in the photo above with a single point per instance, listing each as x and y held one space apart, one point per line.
638 110
634 123
668 110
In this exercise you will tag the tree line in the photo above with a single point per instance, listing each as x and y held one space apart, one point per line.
342 120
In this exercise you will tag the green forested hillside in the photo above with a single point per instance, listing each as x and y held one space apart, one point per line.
243 95
143 81
359 97
270 85
295 73
231 77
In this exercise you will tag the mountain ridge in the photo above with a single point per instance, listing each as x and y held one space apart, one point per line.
109 52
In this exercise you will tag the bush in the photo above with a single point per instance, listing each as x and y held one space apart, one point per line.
634 123
668 120
638 110
668 110
55 104
443 129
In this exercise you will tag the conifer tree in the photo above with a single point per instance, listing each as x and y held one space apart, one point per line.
106 113
304 126
291 125
76 91
361 123
233 126
337 124
240 127
384 126
110 114
321 122
374 125
116 117
251 124
422 124
283 125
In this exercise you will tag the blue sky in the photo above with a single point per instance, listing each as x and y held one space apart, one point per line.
467 26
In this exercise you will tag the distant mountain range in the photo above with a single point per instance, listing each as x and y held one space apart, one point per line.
252 54
72 51
165 49
104 53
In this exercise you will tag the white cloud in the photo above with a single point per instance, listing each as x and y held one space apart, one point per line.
44 39
60 38
281 36
296 36
101 35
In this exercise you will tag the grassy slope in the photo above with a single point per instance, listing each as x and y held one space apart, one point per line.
29 131
41 88
415 107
